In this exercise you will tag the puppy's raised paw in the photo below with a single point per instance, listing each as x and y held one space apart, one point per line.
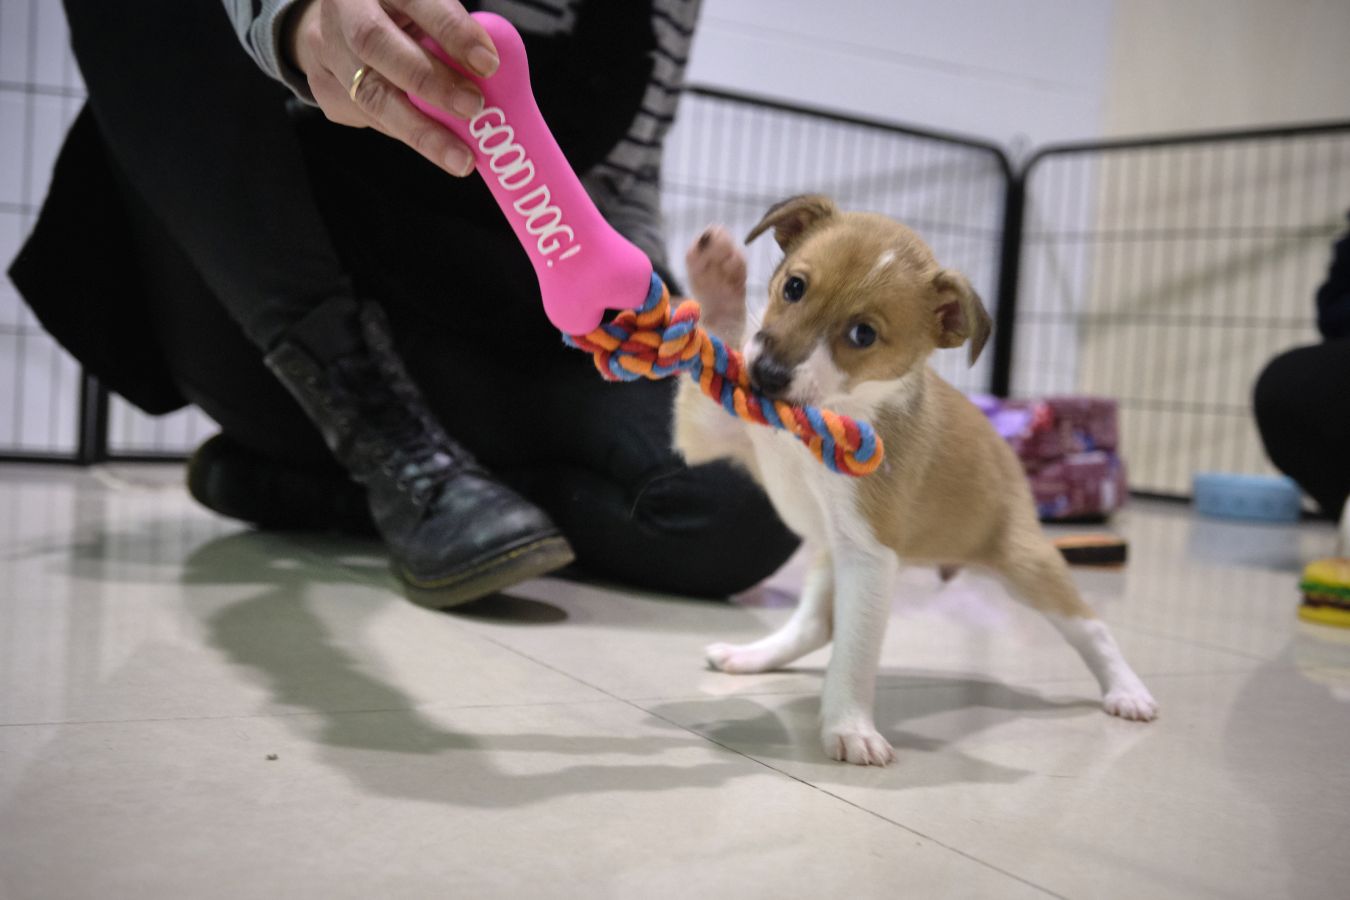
1135 704
716 267
735 659
859 745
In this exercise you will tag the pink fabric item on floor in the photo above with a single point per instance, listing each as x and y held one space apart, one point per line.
1067 446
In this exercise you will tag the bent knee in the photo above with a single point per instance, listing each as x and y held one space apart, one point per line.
719 524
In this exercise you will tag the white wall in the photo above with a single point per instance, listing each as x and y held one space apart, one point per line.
1038 71
1186 64
1012 71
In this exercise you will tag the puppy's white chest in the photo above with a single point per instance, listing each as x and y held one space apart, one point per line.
794 481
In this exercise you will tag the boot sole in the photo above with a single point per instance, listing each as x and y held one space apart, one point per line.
520 564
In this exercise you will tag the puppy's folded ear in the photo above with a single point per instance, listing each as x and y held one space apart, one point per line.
793 218
961 315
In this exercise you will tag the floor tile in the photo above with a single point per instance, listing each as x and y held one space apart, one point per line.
644 646
588 800
566 739
1238 790
151 609
1224 584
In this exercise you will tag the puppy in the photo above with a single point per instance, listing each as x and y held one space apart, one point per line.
855 309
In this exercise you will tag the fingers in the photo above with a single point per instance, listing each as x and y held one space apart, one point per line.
458 33
389 110
373 39
334 39
332 99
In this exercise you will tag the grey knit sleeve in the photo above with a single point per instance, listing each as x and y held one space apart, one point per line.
259 25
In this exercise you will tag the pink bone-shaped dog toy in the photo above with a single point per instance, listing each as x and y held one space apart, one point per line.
583 265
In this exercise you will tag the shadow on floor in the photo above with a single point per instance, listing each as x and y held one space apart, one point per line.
790 731
372 731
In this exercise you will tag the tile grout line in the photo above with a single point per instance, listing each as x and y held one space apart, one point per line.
359 577
1188 642
771 768
295 714
928 685
857 806
607 698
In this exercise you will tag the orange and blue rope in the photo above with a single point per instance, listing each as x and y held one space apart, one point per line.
653 342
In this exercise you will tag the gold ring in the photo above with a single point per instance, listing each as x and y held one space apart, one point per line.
356 82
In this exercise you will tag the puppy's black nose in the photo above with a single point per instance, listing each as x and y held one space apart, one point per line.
769 376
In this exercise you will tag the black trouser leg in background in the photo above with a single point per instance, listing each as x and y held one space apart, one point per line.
1302 402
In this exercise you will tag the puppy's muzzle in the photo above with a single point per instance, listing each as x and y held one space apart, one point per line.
768 374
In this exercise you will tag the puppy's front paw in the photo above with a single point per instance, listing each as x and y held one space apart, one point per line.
1134 703
736 659
860 745
717 280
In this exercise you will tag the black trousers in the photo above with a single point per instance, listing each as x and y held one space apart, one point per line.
246 215
1302 403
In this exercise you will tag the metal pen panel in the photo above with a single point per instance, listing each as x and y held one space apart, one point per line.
1166 272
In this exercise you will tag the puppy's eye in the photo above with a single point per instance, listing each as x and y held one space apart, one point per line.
862 335
793 289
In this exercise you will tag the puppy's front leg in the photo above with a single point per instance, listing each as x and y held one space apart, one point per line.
864 577
717 270
703 431
808 629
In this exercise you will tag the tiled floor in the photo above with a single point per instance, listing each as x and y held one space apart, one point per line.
189 709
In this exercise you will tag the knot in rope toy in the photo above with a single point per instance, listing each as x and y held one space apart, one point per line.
654 342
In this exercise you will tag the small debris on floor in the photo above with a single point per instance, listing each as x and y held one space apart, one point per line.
271 756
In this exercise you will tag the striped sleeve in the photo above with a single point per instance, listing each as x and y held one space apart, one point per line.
627 184
260 26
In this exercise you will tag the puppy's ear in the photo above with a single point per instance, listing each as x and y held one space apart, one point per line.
793 218
961 315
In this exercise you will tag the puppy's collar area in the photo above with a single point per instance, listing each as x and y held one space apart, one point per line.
654 342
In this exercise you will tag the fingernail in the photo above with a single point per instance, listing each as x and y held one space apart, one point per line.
466 104
482 60
459 161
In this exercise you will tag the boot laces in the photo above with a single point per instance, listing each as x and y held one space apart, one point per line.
419 457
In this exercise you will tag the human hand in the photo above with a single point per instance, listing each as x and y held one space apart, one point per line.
331 41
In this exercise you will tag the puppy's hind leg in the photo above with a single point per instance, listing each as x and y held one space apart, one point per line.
1037 575
808 629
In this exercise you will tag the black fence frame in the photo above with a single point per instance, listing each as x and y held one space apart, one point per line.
1015 213
94 401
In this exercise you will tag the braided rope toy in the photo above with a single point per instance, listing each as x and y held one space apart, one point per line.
586 268
653 342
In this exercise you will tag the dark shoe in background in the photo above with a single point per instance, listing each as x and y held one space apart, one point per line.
233 480
448 523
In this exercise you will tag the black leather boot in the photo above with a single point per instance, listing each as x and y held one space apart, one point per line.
447 522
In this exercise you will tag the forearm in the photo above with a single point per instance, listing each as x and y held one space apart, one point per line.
261 27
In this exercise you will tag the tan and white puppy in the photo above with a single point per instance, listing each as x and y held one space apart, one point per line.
855 309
